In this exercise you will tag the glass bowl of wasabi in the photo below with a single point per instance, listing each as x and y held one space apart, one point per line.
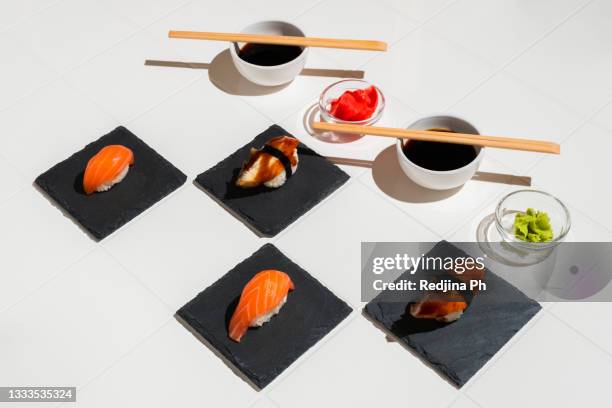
532 219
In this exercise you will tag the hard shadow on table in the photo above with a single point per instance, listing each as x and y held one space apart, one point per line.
224 75
63 211
311 115
391 180
393 339
215 352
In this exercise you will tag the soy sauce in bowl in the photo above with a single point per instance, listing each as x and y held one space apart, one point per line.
268 55
439 156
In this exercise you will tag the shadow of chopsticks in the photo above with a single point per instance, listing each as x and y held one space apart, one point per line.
177 64
502 178
479 176
333 73
351 162
319 72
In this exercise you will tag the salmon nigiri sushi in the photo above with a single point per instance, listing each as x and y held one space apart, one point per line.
271 165
262 297
107 168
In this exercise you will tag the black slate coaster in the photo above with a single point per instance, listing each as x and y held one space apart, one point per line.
270 210
149 179
310 313
459 349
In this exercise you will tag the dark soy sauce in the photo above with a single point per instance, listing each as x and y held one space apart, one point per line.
439 156
269 54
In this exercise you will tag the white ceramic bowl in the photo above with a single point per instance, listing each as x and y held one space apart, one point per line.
269 75
440 180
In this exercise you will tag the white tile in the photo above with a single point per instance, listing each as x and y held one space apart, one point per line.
335 231
441 211
72 31
552 365
143 12
264 402
278 9
171 368
505 106
77 325
50 125
464 402
121 83
427 72
12 12
604 117
22 71
586 317
10 179
279 102
578 175
359 367
500 29
183 246
419 10
41 243
346 149
574 62
199 126
355 19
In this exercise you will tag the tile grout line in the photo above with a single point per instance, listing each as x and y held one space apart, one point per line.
379 194
33 14
49 280
515 340
321 343
516 56
137 279
58 74
126 354
578 332
103 243
391 44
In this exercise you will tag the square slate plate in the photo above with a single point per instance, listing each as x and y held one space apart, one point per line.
270 210
149 179
310 313
459 349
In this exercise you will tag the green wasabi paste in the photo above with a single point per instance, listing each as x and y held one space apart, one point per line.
533 226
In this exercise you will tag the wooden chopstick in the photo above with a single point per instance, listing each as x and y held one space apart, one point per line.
366 45
444 137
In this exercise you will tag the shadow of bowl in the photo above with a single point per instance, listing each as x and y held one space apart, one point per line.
391 180
223 74
311 115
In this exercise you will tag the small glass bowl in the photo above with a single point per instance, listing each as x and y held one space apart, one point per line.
519 201
335 90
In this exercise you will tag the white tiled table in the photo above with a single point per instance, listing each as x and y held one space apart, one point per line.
100 315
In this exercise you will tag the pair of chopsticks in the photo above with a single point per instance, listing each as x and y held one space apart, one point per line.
365 45
368 45
527 145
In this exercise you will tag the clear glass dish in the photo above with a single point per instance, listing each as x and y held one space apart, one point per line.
335 90
519 201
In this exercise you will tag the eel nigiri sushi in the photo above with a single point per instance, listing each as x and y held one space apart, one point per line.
271 165
108 167
432 307
262 297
